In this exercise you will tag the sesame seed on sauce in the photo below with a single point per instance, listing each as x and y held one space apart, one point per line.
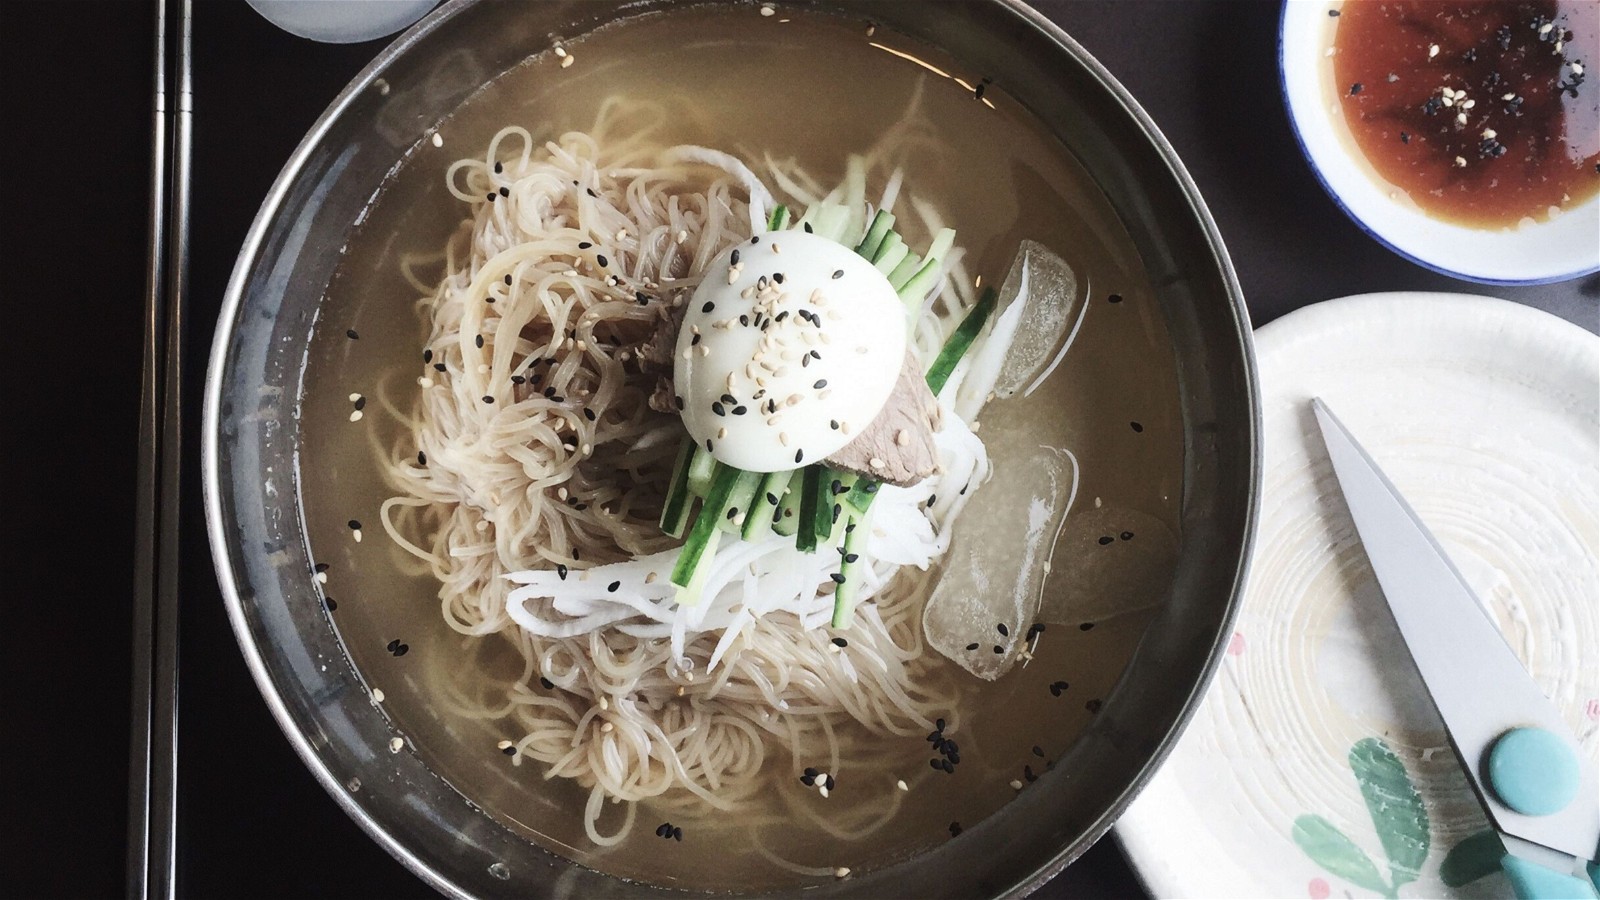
1004 631
998 649
397 647
1106 539
972 646
1057 687
351 334
955 828
1137 428
329 603
1093 706
1086 626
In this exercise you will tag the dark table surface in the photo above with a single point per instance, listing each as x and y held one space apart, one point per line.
75 77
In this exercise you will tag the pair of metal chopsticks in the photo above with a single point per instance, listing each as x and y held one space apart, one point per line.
153 750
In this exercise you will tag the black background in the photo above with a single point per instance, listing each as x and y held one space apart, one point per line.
75 159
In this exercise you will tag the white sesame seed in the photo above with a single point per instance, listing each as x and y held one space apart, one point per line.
322 578
1469 104
842 872
607 728
1016 785
622 234
681 236
377 695
876 463
825 393
503 745
566 61
355 415
1545 28
823 790
1489 134
356 533
588 449
425 381
561 494
1510 96
1461 162
354 397
901 785
1461 118
783 438
767 10
1447 100
722 433
792 400
902 438
396 745
1577 68
704 350
1433 50
561 51
775 248
437 140
604 703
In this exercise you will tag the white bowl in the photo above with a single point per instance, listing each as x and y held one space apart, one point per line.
1535 252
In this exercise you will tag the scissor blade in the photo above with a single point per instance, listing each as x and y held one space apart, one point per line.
1478 685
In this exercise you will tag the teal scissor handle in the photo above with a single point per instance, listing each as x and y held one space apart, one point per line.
1532 881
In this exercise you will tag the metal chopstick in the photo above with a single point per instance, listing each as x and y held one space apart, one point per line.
152 795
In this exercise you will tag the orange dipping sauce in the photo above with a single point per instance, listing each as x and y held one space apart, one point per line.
1483 111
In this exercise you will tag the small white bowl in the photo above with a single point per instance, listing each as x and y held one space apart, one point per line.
1535 252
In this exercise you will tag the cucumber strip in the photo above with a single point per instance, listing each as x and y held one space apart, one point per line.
701 467
703 533
805 538
849 578
832 223
881 223
890 254
779 219
942 242
690 594
960 341
862 494
675 511
903 272
829 506
767 500
916 289
737 511
786 518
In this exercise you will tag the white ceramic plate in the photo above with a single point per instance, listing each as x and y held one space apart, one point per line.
1565 247
1486 415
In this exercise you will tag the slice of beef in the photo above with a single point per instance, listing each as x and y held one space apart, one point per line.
897 446
655 357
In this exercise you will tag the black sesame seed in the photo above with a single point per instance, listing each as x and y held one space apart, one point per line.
834 424
354 525
972 646
778 277
427 356
999 649
1055 689
1086 626
934 736
440 367
936 763
351 334
807 226
612 587
662 829
755 240
977 92
1027 774
498 168
1405 138
808 780
601 259
546 683
1137 428
584 245
561 571
740 410
830 782
708 445
955 828
640 298
1355 89
478 340
590 192
939 724
708 307
1093 706
577 553
734 259
716 407
838 578
320 568
1038 751
678 402
851 557
487 398
392 645
1004 631
329 603
948 767
798 455
1114 298
422 458
1106 539
550 391
694 341
838 273
588 414
1126 535
489 196
840 642
819 384
505 192
677 834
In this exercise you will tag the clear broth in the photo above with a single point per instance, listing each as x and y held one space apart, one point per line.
816 88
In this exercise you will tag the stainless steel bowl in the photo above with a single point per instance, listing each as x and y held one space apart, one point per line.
252 491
